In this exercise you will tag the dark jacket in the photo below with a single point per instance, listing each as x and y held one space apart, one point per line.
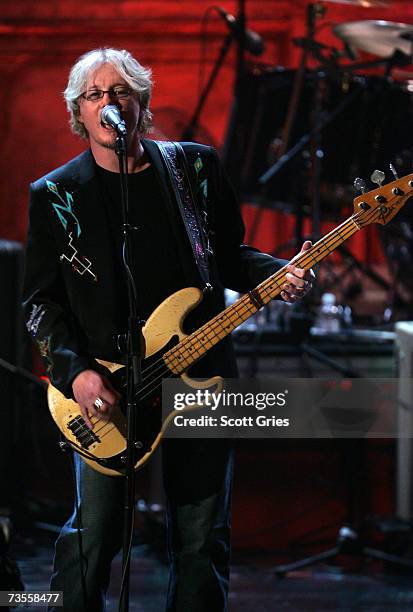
69 289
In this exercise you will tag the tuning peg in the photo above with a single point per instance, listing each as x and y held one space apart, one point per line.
377 177
393 171
360 184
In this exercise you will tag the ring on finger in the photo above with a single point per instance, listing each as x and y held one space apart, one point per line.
99 403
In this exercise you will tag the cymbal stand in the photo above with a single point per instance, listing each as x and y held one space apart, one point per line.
314 11
348 540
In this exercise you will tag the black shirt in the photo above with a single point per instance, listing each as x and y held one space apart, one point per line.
156 266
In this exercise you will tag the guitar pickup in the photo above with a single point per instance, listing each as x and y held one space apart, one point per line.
85 436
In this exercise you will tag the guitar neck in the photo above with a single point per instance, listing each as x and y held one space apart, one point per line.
197 344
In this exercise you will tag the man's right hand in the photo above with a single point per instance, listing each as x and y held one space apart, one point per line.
88 386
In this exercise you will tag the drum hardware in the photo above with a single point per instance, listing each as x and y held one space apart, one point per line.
356 111
348 541
283 153
359 116
318 118
398 250
308 44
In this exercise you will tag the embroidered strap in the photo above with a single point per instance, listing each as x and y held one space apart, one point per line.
175 161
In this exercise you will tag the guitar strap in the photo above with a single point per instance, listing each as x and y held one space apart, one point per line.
183 187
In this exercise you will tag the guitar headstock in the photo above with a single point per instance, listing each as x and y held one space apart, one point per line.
382 204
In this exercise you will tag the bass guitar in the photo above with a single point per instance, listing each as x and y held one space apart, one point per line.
170 352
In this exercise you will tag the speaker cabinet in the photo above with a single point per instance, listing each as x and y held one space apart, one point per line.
11 342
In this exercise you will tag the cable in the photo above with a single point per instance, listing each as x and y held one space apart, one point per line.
128 557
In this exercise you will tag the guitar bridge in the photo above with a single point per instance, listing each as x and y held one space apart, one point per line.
85 436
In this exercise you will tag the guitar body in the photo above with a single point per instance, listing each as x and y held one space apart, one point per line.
107 440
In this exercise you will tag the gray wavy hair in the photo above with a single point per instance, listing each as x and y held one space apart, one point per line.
136 76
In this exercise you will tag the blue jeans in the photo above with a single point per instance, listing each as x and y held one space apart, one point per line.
197 480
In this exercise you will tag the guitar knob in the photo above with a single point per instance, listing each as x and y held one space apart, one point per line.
360 184
377 177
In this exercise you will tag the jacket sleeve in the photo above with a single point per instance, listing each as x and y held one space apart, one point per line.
240 267
45 303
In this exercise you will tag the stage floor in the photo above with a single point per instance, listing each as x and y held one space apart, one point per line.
254 587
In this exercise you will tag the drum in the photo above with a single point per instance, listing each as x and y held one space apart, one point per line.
371 122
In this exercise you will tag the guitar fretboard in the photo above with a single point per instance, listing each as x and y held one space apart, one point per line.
193 347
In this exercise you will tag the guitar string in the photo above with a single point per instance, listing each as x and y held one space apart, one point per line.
266 288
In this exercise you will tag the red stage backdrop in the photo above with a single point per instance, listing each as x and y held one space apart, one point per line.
40 40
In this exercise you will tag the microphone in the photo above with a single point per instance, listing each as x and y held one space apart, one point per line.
111 116
253 41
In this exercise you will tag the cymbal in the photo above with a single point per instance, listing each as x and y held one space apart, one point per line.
362 3
381 38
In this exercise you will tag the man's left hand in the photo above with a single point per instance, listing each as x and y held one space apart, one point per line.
299 280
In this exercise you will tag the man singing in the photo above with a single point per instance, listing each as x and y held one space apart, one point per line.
76 306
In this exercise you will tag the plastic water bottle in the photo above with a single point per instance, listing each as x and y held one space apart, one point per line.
328 319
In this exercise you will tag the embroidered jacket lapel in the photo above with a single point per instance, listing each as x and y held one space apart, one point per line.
81 181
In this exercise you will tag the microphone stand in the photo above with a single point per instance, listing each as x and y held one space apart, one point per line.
134 347
189 132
